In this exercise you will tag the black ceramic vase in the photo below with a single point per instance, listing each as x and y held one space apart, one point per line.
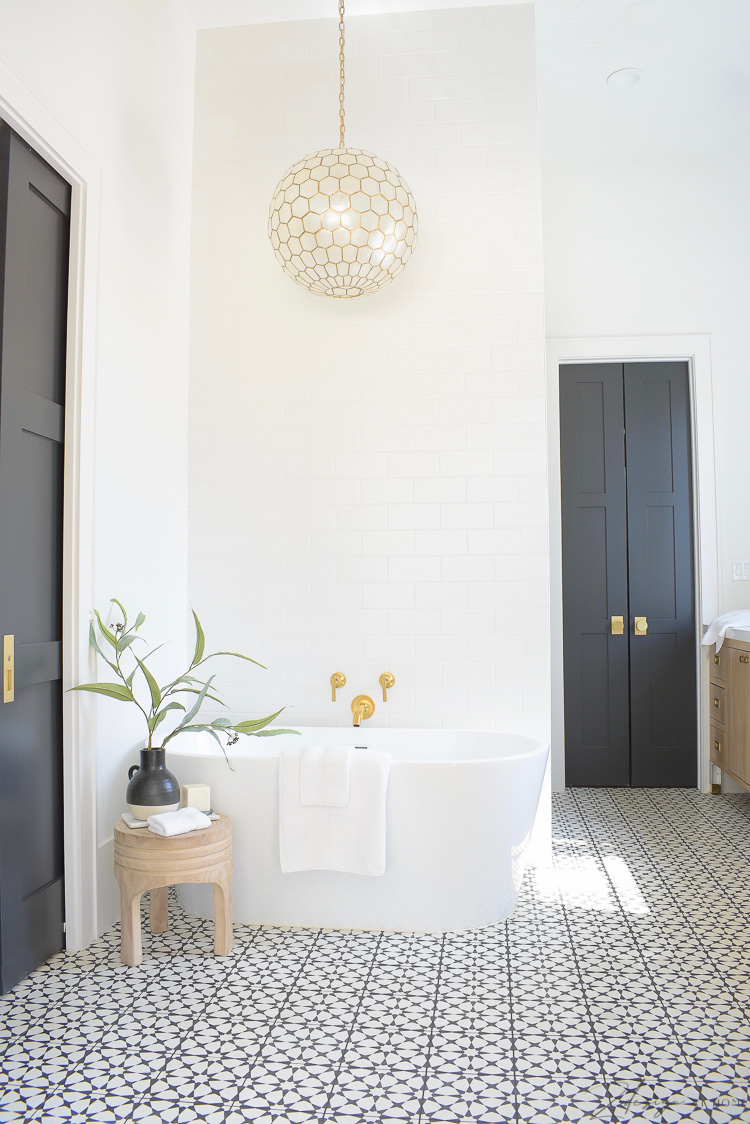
152 788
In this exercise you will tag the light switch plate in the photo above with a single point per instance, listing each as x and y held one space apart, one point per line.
736 571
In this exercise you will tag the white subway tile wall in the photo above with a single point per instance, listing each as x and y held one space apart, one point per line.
368 477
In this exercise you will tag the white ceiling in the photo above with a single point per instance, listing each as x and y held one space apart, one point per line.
694 56
233 13
694 94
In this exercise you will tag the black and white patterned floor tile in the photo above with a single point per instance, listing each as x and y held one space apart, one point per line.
618 991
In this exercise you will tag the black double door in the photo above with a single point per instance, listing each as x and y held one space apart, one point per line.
628 575
34 249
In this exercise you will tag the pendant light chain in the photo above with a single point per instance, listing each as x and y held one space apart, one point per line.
342 74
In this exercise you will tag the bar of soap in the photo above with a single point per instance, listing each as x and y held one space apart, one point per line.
197 796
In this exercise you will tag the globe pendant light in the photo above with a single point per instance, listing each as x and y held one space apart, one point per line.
342 222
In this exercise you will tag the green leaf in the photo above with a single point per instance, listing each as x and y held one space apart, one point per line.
173 706
126 640
153 686
108 636
139 620
112 690
222 723
129 678
94 644
198 704
122 610
157 719
237 656
200 640
208 730
192 691
250 724
269 733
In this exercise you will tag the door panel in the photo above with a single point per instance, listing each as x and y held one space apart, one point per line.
660 536
34 239
627 538
594 545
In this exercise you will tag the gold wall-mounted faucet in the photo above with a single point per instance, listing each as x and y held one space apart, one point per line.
338 679
362 707
386 681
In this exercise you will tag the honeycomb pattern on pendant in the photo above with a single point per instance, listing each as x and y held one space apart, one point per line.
342 222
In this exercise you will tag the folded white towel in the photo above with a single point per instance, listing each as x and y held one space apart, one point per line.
351 839
179 822
717 630
324 775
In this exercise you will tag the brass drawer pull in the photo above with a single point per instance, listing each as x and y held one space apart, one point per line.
717 659
717 746
716 702
744 659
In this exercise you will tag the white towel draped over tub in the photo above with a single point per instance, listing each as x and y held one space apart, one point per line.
324 775
317 830
716 632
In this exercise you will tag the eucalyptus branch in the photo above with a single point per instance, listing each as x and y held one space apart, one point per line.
162 700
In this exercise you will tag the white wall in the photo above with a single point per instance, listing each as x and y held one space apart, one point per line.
646 225
659 248
368 477
114 82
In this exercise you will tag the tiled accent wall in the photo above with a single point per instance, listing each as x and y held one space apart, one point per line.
368 477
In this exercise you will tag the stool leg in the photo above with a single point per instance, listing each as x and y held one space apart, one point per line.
130 926
222 917
158 910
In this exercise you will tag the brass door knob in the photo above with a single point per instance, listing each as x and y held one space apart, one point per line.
338 679
617 625
386 680
640 626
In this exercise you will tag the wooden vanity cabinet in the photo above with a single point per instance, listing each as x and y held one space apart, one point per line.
729 710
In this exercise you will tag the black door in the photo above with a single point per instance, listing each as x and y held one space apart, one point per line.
627 530
34 245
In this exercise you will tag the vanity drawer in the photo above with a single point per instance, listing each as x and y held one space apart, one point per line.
718 747
718 664
717 709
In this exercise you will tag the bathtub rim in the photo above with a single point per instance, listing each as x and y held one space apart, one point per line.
535 747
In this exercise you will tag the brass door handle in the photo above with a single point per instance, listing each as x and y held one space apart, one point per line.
387 679
640 626
9 668
617 625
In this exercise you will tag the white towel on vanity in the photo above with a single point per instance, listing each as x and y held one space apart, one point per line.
324 775
717 630
179 822
349 838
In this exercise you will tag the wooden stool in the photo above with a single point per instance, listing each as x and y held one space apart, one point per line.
146 861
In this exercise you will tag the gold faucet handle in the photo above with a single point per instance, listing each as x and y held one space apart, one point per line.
338 679
386 680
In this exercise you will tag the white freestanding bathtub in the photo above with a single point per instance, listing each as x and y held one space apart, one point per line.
460 809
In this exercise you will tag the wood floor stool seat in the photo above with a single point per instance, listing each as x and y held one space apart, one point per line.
146 861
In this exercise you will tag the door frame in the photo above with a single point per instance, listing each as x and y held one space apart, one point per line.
696 352
30 118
